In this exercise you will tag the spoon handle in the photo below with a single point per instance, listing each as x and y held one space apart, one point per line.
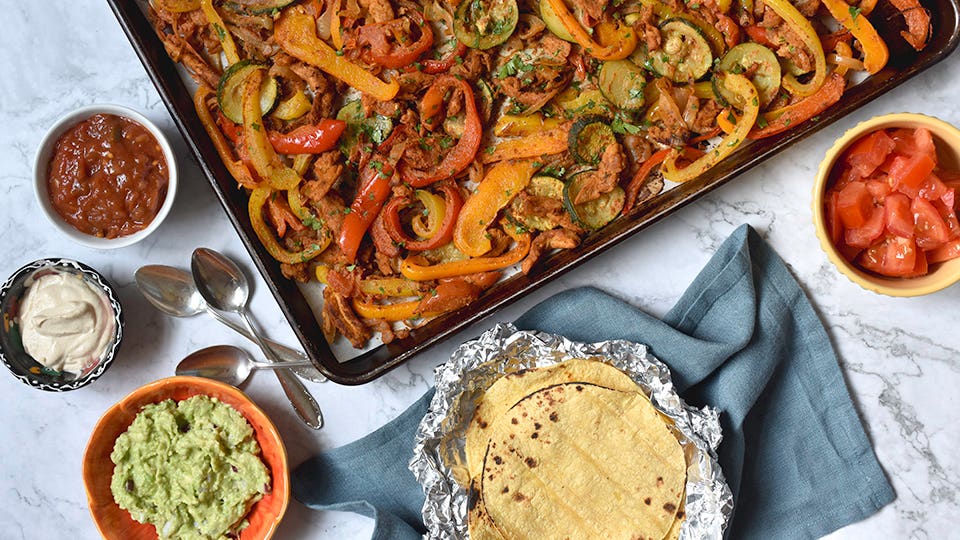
281 365
296 392
287 354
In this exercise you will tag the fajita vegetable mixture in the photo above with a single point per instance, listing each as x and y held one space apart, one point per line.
407 154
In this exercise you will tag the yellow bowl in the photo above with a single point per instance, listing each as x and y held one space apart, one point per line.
114 522
947 139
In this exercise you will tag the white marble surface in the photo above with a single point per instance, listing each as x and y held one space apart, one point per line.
901 356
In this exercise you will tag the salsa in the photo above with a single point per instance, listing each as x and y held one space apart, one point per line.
108 176
892 209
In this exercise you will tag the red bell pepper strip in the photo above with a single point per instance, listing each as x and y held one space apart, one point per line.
782 119
398 55
374 191
391 217
639 179
466 149
435 67
308 139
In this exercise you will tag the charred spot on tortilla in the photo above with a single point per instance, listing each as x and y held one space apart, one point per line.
534 435
530 462
670 507
647 501
513 421
554 417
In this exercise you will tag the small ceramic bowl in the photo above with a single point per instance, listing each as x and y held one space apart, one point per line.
21 364
947 140
45 154
114 522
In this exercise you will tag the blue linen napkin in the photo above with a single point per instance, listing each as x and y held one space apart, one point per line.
743 338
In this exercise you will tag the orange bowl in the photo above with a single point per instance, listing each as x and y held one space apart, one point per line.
114 522
947 140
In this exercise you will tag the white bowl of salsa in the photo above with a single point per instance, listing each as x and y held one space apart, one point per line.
105 176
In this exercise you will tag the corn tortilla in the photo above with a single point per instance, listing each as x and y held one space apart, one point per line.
579 460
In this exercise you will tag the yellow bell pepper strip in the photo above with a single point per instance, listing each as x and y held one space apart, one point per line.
293 107
178 6
258 197
779 120
321 272
844 60
496 190
295 32
413 267
236 167
510 125
220 29
435 210
389 286
875 52
747 92
553 141
335 36
622 37
301 162
804 30
585 40
262 155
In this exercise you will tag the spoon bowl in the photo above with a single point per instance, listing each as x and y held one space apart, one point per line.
169 289
224 363
225 288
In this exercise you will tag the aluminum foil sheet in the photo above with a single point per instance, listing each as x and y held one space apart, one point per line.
438 459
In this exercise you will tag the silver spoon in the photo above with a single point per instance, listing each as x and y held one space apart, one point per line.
172 291
224 363
225 288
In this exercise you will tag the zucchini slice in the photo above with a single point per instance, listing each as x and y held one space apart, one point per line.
623 82
377 127
257 7
588 138
553 23
482 24
574 102
684 55
230 90
539 186
745 57
596 213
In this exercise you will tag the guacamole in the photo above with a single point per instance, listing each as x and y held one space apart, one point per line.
192 469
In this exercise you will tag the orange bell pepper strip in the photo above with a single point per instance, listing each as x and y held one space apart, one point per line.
780 120
258 198
237 169
623 39
552 141
412 267
295 32
374 190
220 29
399 311
742 87
639 179
262 155
496 190
804 30
335 36
460 156
178 6
875 52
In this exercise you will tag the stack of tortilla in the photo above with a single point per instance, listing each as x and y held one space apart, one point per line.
573 450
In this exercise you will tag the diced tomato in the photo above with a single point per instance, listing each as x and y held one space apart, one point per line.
909 172
932 188
898 216
950 250
845 177
921 266
909 142
892 256
949 216
869 152
854 204
878 190
833 218
929 228
862 237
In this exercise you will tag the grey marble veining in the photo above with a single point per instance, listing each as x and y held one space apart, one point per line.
901 357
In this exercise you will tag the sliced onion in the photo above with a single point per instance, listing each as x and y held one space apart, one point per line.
324 21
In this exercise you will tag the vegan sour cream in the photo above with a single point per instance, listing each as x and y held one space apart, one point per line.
66 324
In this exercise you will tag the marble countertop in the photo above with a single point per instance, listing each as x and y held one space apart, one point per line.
901 357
